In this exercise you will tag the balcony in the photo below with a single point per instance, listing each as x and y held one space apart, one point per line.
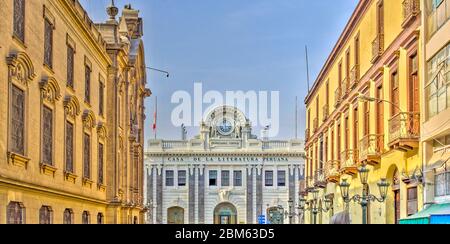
354 77
302 186
438 17
306 135
377 47
309 183
371 148
404 131
332 171
325 112
344 87
349 163
338 97
315 125
319 179
411 9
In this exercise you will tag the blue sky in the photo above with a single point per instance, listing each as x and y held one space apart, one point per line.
234 45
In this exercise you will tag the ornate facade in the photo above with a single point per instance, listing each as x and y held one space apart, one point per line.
365 108
223 176
72 112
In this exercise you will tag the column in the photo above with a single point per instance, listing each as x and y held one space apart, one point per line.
192 176
201 195
250 195
259 191
159 195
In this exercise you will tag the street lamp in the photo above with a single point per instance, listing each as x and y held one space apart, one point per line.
365 198
313 205
159 70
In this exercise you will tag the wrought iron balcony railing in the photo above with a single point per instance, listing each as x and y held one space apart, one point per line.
404 131
332 169
354 76
371 148
315 125
411 9
319 178
345 87
377 47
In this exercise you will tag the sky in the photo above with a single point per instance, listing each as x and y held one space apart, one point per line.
233 45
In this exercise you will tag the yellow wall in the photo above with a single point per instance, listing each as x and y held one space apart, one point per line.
394 35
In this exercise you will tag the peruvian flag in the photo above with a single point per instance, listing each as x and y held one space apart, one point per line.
155 115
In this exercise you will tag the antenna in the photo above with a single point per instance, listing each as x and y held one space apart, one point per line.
307 67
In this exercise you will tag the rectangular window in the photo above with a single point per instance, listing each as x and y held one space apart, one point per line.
213 177
48 44
237 177
332 145
19 20
366 118
440 184
87 84
182 178
380 111
347 134
225 178
17 121
47 136
357 51
338 141
347 64
87 156
69 147
100 163
170 178
395 94
356 129
70 66
412 201
101 97
281 178
438 88
269 178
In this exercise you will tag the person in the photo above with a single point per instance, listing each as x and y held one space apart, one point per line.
342 218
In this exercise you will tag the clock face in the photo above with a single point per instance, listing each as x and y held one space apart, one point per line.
225 127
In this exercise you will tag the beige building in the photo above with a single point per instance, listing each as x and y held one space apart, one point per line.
71 114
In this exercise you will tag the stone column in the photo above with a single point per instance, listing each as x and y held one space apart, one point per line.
159 195
191 207
259 191
150 193
201 195
250 219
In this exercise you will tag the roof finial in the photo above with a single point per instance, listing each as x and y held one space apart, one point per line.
112 11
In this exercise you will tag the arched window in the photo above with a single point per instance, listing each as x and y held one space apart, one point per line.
85 218
45 215
100 218
68 216
15 213
225 213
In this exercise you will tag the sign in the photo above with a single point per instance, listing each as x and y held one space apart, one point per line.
262 219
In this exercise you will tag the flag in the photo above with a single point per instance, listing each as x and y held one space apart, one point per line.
155 115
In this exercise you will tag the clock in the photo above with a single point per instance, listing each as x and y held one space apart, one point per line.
225 127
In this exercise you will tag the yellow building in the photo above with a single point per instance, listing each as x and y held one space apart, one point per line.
71 123
364 108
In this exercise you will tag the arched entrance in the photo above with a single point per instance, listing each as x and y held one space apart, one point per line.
393 202
396 189
175 215
225 213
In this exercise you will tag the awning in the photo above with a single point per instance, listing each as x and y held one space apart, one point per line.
435 214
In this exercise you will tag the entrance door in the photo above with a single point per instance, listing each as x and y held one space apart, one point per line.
397 206
225 213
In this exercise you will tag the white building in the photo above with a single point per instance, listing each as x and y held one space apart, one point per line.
224 175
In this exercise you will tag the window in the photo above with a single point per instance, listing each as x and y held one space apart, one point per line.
356 129
438 88
269 178
48 44
47 136
412 201
100 163
19 20
69 148
87 156
338 141
225 178
182 178
366 118
87 84
442 182
347 134
86 218
169 178
237 177
70 66
332 145
100 218
101 97
395 95
380 111
357 51
68 217
17 121
213 177
15 213
45 215
281 175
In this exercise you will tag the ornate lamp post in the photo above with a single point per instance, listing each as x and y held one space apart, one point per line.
365 198
313 206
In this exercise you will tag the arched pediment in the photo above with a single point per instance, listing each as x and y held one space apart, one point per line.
101 130
20 67
89 119
72 106
50 89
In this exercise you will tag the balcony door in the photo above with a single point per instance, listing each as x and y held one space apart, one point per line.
414 105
